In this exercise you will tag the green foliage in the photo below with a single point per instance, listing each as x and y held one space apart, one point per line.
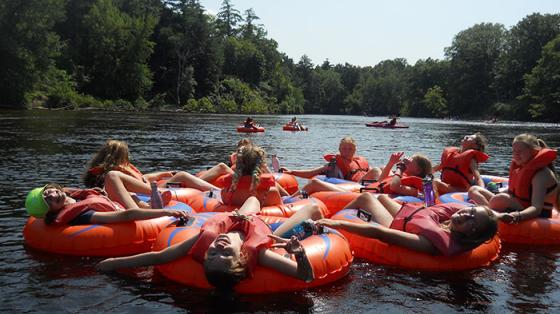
472 56
435 102
202 105
543 84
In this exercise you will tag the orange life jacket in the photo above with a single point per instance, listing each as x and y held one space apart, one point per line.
456 166
266 181
129 170
255 230
384 186
520 177
87 199
352 170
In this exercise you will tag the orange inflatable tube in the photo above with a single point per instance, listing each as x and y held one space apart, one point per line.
105 240
382 253
287 181
202 202
538 231
329 254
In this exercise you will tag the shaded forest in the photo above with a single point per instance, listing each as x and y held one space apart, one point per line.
168 55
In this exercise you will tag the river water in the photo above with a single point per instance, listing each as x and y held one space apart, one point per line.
38 147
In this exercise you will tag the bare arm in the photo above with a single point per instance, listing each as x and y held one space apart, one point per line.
134 214
150 258
474 169
398 188
436 168
300 269
393 160
391 236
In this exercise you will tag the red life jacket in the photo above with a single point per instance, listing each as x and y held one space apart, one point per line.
129 170
266 181
426 221
456 166
255 230
384 186
521 177
87 199
352 170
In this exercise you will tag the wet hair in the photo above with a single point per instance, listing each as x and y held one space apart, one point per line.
112 154
50 216
227 279
348 140
481 141
423 163
483 233
251 160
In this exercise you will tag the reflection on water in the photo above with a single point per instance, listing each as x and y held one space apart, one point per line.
42 146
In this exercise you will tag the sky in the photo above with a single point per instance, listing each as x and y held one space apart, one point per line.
363 33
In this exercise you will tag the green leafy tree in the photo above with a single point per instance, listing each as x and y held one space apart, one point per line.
119 48
473 55
228 19
421 77
523 47
28 46
542 87
435 102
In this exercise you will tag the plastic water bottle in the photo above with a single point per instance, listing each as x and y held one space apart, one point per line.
155 200
275 163
429 196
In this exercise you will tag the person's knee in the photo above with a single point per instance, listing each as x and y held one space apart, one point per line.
383 197
500 201
474 190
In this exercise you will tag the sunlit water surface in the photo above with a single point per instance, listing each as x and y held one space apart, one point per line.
40 147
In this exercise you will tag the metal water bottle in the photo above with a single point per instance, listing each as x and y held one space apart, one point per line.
155 200
429 195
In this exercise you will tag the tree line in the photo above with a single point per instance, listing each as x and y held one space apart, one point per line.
169 54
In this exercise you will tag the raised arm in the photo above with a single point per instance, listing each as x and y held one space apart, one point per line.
393 160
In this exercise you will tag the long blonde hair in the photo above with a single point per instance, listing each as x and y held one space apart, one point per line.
251 161
112 154
532 141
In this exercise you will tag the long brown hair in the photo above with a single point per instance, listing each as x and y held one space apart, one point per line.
112 154
483 233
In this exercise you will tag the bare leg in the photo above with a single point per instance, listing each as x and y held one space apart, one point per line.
390 204
215 172
310 211
372 174
316 185
252 206
480 195
443 187
379 213
189 181
119 185
503 201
